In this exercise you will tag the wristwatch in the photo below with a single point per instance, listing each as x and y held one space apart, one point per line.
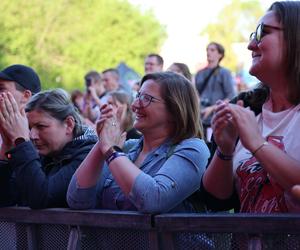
112 153
19 140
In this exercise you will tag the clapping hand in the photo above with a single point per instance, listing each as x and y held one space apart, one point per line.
108 128
13 121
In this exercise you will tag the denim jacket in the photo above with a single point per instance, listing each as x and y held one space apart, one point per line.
164 184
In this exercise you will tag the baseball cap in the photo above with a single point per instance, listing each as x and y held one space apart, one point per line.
23 75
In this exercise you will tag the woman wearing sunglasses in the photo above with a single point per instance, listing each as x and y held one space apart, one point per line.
258 140
162 169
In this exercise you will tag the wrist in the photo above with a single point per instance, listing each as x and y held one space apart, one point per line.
222 156
258 148
113 153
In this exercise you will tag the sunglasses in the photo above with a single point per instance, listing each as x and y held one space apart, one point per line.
260 32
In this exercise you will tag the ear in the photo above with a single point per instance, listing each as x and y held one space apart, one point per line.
70 125
26 95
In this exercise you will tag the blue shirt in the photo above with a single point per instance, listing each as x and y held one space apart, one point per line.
169 176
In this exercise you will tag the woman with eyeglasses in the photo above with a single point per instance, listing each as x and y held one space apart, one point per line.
257 157
162 169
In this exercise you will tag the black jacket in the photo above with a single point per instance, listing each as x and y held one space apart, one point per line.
41 182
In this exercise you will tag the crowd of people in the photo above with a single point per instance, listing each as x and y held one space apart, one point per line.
145 147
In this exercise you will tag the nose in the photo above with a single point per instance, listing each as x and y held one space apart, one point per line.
33 134
135 105
252 44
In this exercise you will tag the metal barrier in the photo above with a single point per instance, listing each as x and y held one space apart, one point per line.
23 228
229 231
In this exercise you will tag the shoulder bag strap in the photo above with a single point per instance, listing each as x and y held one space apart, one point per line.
207 79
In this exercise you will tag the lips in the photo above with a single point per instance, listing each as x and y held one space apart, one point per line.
255 55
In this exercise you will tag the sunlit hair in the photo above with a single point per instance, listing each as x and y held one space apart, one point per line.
220 49
56 103
182 103
123 98
288 14
184 70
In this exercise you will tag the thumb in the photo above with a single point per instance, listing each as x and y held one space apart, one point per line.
122 139
22 111
240 103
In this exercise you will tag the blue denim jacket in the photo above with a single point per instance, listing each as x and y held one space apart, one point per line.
163 186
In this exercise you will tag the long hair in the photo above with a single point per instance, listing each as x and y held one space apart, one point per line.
181 101
288 13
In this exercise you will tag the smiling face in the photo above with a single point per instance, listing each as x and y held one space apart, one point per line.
48 134
154 118
268 56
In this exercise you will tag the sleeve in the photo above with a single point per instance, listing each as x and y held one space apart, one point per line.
214 204
228 85
40 190
86 198
175 181
5 178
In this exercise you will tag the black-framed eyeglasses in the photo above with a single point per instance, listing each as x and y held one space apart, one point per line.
146 99
260 32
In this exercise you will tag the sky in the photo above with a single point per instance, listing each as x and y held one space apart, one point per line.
184 20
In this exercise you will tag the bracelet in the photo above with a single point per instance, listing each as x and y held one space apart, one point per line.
223 157
260 147
114 156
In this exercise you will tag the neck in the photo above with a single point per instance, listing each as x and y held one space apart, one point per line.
279 101
151 142
212 64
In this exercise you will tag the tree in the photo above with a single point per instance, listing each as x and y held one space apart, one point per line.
234 24
63 39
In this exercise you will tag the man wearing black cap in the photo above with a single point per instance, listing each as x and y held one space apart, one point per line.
22 82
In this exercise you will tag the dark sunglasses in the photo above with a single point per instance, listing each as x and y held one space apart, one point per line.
260 32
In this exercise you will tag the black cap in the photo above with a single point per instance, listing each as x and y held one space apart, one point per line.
23 75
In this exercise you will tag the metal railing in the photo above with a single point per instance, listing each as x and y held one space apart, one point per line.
23 228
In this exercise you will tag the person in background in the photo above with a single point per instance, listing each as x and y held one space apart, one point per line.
49 143
153 63
95 91
213 83
77 98
111 79
120 100
163 167
182 69
257 157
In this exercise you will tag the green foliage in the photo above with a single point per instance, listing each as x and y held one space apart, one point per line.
234 24
63 39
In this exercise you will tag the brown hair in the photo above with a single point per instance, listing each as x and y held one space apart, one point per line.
181 101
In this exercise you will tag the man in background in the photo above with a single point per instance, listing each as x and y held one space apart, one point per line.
213 83
153 63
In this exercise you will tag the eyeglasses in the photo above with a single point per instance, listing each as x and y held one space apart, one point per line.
146 99
260 32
